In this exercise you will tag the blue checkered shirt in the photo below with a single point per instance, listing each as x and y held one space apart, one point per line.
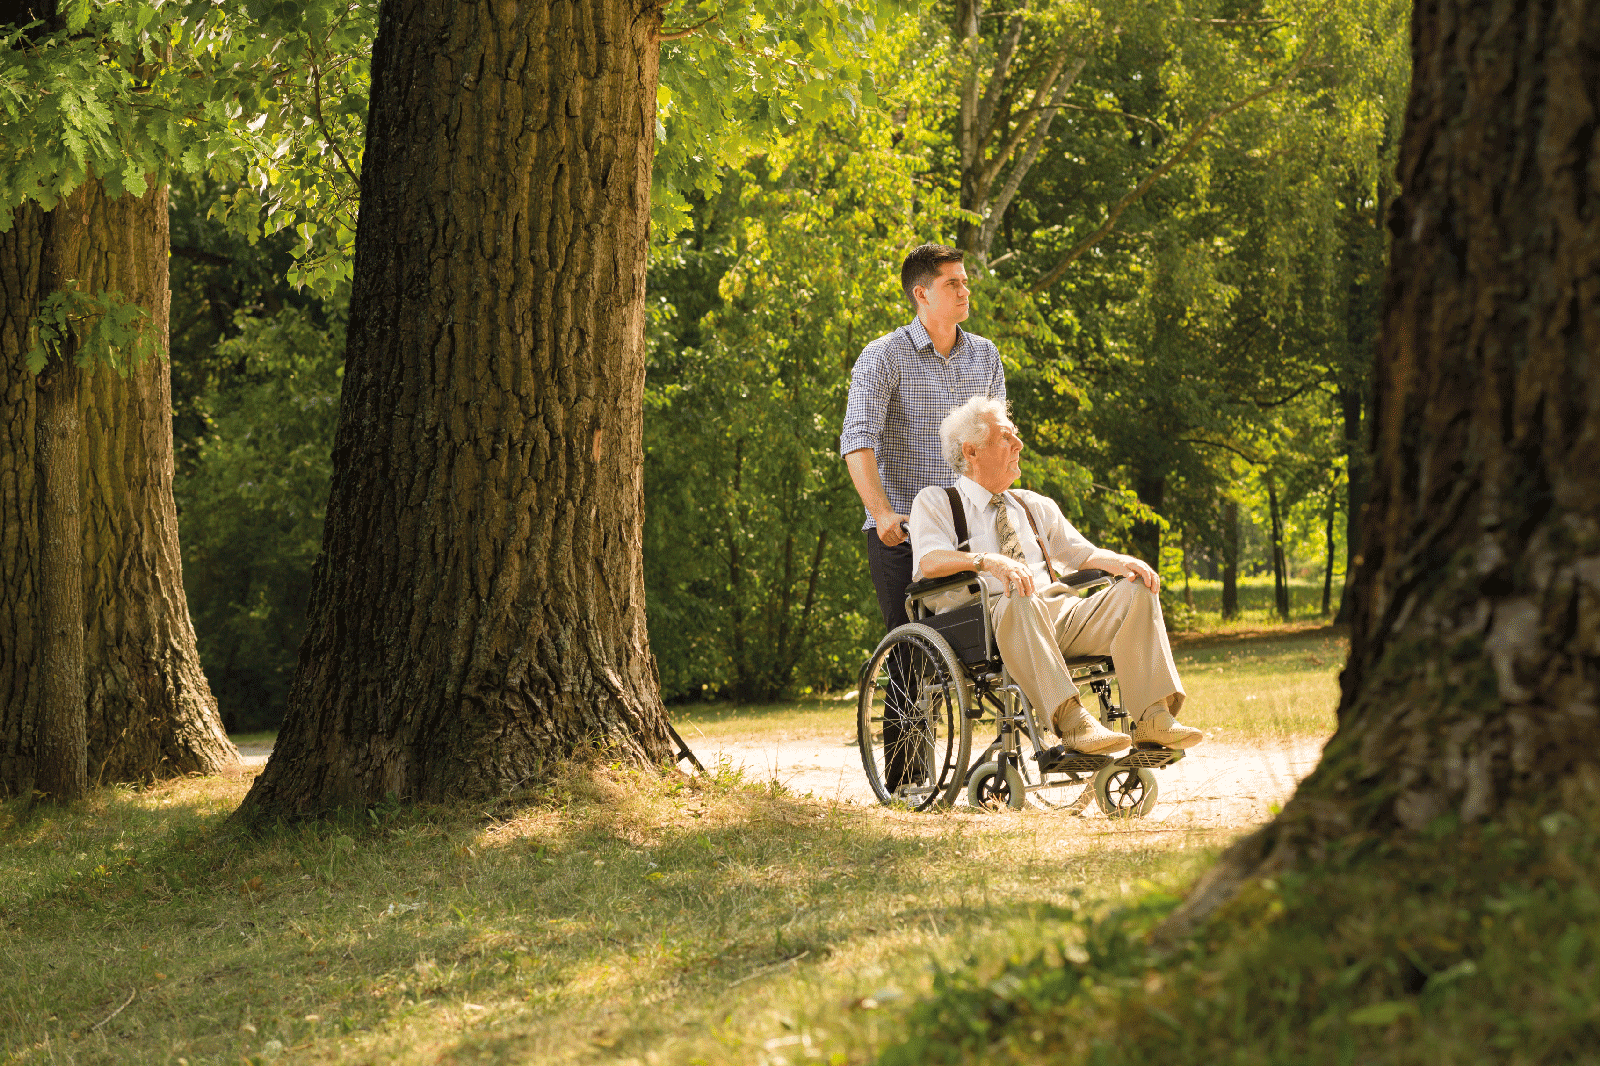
899 393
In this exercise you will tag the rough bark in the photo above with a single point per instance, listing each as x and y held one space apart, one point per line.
1475 643
148 710
20 694
478 610
61 767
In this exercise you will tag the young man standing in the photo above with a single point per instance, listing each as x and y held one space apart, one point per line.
904 384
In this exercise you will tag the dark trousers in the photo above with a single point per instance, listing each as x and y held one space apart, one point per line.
891 573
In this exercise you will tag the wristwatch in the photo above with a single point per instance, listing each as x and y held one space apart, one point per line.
977 561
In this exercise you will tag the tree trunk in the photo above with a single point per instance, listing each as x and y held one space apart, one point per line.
1147 535
1359 473
1230 559
478 610
1469 689
1327 573
147 707
1280 570
61 769
20 647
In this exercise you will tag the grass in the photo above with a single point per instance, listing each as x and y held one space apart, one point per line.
1462 944
1256 607
608 916
1247 686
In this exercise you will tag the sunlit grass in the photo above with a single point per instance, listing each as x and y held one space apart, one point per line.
610 916
614 916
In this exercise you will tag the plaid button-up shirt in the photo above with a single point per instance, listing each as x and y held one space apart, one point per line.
899 393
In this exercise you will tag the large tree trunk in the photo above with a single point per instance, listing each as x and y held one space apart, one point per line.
147 709
478 609
20 681
1469 690
61 767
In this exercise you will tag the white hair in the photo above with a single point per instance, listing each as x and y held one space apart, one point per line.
968 424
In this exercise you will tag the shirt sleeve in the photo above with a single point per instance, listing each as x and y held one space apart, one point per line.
997 379
1067 546
871 385
932 527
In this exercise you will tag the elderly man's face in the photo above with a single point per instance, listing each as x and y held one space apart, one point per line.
996 463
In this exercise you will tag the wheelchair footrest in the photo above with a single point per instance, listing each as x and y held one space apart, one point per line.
1058 760
1151 755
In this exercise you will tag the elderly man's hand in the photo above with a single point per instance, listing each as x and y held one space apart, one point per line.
1015 576
1140 570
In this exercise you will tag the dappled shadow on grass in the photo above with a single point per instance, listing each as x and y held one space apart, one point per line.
596 914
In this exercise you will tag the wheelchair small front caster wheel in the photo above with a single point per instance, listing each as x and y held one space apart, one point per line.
991 790
1125 791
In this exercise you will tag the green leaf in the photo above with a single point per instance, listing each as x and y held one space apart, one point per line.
1386 1013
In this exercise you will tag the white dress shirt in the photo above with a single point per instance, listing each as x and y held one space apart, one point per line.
933 528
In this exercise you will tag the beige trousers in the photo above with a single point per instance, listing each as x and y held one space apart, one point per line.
1124 621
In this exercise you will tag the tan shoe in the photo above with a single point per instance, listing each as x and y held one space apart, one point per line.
1159 727
1081 731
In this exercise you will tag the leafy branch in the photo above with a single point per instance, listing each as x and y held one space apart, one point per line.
109 331
1195 137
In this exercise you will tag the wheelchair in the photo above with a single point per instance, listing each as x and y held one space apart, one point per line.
933 680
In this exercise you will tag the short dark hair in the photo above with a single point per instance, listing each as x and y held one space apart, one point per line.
922 266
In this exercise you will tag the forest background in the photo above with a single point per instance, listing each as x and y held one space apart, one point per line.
1175 213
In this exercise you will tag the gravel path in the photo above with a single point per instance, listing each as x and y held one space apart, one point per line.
1217 785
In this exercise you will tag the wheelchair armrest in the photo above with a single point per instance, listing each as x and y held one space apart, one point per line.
929 585
1083 579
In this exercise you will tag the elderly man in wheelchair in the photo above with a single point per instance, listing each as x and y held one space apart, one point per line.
1002 631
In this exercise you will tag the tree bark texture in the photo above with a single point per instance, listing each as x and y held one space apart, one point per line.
20 643
1475 646
478 609
61 766
148 709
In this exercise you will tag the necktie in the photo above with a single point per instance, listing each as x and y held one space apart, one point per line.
1005 532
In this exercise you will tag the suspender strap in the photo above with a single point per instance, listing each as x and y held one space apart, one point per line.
959 513
1049 567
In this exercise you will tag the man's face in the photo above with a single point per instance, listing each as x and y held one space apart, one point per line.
945 297
998 460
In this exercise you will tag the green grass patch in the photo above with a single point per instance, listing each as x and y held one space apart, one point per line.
611 916
1467 945
1256 606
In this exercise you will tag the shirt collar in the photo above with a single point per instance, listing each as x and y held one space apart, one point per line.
975 492
922 342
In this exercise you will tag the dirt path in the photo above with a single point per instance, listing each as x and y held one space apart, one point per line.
1216 785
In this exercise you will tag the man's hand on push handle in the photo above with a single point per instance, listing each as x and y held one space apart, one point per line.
893 528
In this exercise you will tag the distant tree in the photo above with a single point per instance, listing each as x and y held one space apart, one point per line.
1468 691
99 678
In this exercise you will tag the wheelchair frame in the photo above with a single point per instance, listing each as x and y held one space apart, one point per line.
933 678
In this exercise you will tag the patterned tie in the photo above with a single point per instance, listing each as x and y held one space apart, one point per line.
1005 532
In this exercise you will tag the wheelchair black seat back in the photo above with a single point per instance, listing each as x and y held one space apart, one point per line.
931 680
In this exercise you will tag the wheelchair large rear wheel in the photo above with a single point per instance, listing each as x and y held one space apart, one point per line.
911 721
